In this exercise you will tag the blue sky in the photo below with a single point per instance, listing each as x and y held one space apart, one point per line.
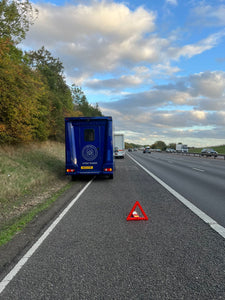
158 67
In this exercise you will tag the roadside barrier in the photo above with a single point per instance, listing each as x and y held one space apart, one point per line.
219 156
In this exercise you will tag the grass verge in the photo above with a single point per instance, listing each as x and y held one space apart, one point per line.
31 178
219 149
19 223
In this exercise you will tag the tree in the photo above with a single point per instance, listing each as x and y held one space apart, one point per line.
172 145
159 145
16 16
21 89
58 98
132 145
81 104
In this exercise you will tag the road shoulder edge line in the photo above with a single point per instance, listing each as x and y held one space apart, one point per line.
5 281
207 219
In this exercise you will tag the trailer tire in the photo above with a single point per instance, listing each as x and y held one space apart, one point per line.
111 176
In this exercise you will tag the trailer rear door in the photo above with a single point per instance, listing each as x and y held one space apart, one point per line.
91 145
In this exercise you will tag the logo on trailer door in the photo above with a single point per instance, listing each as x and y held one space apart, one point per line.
89 152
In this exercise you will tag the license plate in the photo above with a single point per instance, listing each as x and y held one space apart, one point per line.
86 167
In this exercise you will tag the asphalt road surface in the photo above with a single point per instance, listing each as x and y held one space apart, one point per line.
94 253
200 180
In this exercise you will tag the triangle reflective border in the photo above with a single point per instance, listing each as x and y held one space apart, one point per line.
137 218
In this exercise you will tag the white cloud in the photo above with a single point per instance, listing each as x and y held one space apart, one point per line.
207 15
115 83
199 115
209 84
205 84
107 38
192 91
172 2
207 104
126 39
139 76
188 109
96 37
112 20
197 48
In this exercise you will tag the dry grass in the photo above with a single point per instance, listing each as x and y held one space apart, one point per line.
29 174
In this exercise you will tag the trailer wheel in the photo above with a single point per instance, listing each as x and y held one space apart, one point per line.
111 176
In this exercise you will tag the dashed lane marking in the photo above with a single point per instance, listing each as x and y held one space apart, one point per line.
200 170
207 219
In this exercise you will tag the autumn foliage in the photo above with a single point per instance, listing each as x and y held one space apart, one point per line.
34 96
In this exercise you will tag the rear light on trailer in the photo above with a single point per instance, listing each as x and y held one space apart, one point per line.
70 170
108 170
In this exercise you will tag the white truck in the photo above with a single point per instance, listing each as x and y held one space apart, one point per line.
118 145
181 148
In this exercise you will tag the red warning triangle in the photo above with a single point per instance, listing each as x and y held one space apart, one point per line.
133 215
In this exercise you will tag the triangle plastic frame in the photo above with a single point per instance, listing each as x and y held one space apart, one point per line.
130 218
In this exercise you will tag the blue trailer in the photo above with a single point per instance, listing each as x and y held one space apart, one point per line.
89 146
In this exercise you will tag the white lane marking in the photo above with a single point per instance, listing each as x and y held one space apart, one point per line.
31 251
200 170
207 219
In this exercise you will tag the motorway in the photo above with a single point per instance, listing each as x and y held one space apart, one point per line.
200 180
94 253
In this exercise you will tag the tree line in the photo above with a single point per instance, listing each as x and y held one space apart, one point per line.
34 96
157 145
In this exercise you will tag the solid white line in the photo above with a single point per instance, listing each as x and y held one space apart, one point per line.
200 170
31 251
207 219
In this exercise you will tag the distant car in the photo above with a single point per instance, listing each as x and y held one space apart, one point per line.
119 153
147 150
170 150
135 149
209 152
129 149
